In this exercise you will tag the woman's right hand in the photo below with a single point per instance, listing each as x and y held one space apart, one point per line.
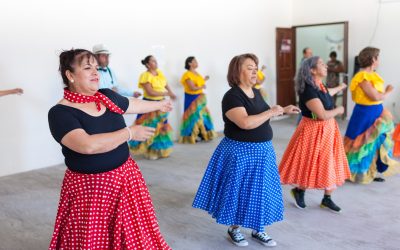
17 91
277 110
141 133
340 110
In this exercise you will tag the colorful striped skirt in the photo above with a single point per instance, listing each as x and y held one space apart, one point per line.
160 144
396 139
241 185
315 156
369 144
111 210
196 120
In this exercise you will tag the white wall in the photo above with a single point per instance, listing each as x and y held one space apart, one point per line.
33 33
363 18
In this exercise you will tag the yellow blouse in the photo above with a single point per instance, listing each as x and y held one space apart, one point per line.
260 77
358 95
197 79
158 83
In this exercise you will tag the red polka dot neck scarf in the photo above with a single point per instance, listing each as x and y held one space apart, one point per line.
96 98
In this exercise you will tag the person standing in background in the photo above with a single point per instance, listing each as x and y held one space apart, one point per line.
335 67
260 81
368 140
107 76
155 88
196 123
307 53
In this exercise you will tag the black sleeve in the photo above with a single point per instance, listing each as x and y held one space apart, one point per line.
231 101
121 101
309 93
62 121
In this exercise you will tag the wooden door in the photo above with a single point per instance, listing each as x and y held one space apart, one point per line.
285 66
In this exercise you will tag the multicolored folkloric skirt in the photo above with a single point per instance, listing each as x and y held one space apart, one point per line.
111 210
196 120
369 144
315 156
160 144
396 139
241 185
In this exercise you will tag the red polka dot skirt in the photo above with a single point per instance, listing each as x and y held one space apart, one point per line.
315 156
111 210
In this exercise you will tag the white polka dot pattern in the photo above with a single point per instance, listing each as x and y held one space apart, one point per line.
96 98
111 210
315 156
241 185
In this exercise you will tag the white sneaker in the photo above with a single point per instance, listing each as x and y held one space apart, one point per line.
237 237
263 238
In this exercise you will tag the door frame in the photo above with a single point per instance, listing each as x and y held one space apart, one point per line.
277 60
345 56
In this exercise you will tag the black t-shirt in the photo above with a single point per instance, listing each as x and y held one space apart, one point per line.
63 119
235 97
310 93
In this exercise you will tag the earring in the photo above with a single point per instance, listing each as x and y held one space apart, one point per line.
72 81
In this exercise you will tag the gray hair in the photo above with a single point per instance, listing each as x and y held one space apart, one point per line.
304 75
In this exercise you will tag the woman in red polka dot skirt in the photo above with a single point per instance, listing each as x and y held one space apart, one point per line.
315 157
104 201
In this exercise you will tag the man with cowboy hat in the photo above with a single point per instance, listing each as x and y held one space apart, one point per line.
107 75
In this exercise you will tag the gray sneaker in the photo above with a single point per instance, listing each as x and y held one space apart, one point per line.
263 238
237 237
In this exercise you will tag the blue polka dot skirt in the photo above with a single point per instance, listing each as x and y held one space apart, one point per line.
241 185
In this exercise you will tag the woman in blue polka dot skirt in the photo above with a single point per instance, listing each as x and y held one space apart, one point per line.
241 186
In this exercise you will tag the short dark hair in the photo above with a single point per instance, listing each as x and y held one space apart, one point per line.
333 53
68 58
305 50
187 61
146 60
235 67
367 56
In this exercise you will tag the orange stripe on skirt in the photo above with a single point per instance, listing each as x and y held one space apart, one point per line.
396 138
315 156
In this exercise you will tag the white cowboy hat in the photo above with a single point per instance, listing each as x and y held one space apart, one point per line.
100 49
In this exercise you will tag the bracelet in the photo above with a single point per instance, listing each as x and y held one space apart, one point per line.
130 134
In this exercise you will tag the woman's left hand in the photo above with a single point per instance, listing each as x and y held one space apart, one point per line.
172 95
165 106
291 109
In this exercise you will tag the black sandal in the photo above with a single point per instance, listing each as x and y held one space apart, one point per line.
379 179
